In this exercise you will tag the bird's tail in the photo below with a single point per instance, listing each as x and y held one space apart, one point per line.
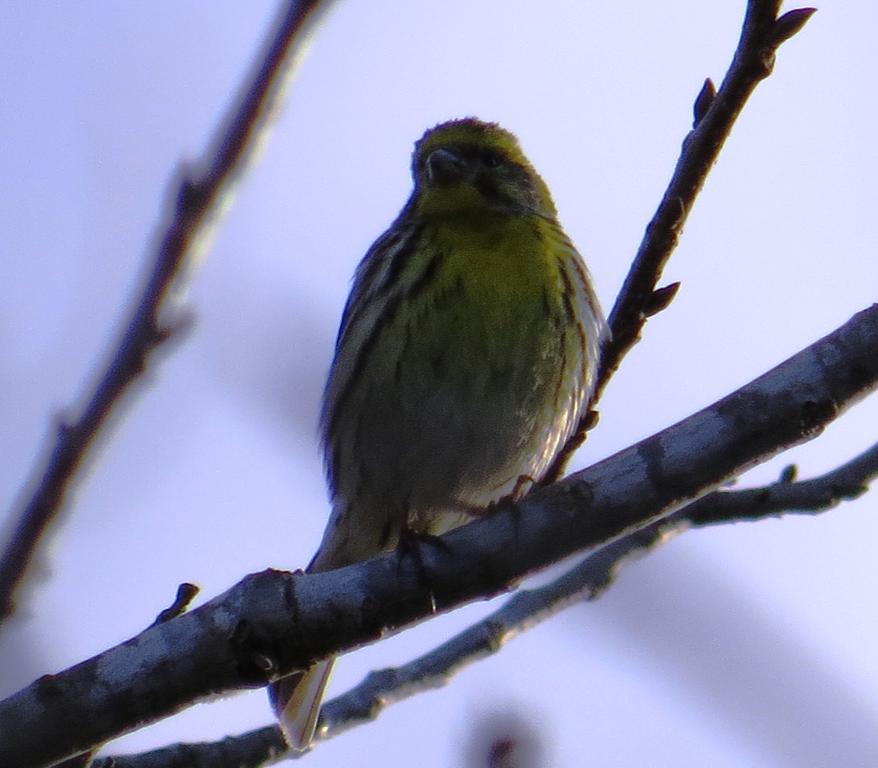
296 700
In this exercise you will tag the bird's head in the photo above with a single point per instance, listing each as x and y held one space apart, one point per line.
469 165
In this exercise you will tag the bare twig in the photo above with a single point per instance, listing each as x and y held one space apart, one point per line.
586 581
254 749
715 113
186 593
199 193
274 623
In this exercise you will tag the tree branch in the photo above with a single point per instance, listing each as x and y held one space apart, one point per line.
273 623
715 113
586 581
253 749
198 195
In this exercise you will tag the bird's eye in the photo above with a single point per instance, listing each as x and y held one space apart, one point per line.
492 161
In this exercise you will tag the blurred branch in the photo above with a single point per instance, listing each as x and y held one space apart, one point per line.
715 113
586 581
273 623
199 194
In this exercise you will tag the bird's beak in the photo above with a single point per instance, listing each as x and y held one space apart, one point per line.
444 167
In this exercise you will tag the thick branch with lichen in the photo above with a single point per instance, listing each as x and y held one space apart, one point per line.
274 622
586 581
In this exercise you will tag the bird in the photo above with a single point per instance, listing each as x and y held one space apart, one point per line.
466 355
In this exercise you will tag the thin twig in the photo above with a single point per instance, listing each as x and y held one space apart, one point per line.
715 114
253 749
186 593
198 195
586 581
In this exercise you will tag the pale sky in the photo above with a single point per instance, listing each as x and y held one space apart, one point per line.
746 645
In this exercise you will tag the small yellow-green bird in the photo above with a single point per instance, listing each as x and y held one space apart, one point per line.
466 354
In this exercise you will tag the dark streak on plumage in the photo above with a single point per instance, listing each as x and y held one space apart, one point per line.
547 307
362 359
571 315
386 533
559 374
426 276
393 303
372 265
400 260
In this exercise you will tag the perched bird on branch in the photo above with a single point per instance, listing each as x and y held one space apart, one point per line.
467 352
